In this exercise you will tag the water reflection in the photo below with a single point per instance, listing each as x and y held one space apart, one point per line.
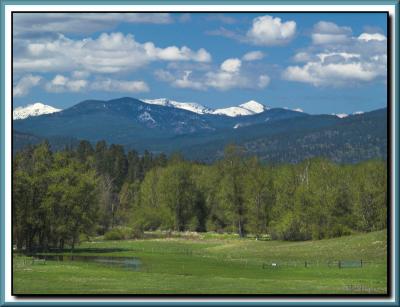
126 262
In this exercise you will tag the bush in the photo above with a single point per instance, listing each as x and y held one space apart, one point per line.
122 233
289 228
84 237
193 224
339 230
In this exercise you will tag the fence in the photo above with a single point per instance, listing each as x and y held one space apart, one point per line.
340 264
226 259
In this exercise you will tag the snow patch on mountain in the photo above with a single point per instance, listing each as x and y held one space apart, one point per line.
146 117
233 111
254 106
248 108
341 115
191 106
160 101
188 106
35 109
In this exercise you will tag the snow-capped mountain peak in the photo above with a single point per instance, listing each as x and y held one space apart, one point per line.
344 115
248 108
340 115
254 106
159 101
35 109
191 106
233 111
188 106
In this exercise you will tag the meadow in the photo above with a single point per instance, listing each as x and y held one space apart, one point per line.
209 263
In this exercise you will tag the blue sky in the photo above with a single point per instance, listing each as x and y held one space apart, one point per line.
319 62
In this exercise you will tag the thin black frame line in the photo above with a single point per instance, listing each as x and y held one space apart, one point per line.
268 296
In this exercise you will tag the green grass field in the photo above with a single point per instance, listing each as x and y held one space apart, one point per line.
214 264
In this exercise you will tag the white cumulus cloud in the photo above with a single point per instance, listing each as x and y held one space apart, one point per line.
339 59
231 73
79 74
107 54
223 80
319 73
269 31
253 56
231 65
186 82
372 37
24 85
112 85
325 32
263 81
61 84
28 24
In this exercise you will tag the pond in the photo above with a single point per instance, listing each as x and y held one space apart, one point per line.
132 263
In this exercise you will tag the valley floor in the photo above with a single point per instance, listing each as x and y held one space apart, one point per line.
214 264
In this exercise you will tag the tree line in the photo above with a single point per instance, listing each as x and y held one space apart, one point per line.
58 197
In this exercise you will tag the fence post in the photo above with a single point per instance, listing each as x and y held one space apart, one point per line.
305 264
361 263
340 265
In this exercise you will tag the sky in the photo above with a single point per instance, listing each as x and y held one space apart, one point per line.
318 62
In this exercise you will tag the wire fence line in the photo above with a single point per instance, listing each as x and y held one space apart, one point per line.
241 260
340 264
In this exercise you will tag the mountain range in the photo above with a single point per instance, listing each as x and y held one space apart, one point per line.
248 108
163 125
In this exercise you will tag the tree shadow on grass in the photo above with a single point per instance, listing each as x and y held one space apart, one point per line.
71 251
88 250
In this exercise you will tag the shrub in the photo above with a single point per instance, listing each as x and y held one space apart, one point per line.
339 230
123 233
84 237
289 228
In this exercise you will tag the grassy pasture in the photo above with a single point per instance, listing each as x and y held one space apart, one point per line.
214 264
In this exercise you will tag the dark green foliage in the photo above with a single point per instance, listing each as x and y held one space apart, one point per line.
231 188
102 190
121 233
23 140
348 140
81 190
54 199
328 200
315 199
84 150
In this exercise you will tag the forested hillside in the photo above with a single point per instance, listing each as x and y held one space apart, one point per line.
23 140
274 135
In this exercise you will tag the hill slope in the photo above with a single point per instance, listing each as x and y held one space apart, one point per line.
276 135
